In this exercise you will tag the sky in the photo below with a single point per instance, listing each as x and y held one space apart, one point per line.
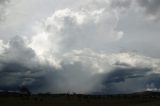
82 46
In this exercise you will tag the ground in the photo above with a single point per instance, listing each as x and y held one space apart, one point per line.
136 99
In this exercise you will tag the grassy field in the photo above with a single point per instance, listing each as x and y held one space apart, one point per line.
139 99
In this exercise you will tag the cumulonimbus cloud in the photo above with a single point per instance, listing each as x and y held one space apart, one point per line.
65 55
81 71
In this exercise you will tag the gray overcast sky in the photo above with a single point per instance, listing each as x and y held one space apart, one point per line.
51 44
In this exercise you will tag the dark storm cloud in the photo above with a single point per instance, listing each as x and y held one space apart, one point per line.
122 74
152 7
19 66
18 52
126 80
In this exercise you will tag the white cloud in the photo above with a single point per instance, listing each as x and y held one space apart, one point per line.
69 29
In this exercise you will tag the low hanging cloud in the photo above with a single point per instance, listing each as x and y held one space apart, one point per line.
81 71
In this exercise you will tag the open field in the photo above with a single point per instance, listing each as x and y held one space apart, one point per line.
136 99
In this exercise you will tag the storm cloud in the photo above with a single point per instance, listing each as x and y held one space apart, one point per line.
101 72
62 48
151 7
